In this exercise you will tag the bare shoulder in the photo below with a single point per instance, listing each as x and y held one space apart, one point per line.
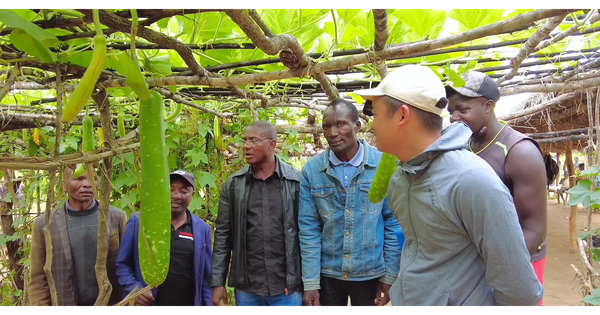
524 160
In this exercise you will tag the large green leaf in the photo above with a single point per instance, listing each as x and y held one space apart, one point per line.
12 19
197 156
425 23
474 18
160 65
29 44
580 194
205 178
352 32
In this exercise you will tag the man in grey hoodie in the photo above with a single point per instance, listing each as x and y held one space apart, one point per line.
464 245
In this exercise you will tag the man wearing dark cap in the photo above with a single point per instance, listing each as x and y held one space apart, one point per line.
190 260
516 158
463 244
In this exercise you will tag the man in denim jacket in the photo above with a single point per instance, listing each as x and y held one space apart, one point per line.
343 236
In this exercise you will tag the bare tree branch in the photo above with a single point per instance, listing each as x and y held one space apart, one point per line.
254 15
381 36
573 30
530 45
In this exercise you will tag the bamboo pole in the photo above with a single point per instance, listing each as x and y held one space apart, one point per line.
573 215
104 286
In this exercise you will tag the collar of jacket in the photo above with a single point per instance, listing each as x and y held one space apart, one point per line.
286 171
368 156
454 137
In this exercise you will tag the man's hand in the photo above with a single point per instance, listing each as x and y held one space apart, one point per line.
144 299
219 294
385 289
311 298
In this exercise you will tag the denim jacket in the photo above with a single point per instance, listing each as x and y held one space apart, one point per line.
342 234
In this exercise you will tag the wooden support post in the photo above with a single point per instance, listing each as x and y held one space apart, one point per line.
573 216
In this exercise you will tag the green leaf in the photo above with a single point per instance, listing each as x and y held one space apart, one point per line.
453 77
196 203
124 180
580 194
204 128
474 18
162 23
596 256
80 58
352 32
197 156
357 98
588 233
12 19
29 44
592 299
158 65
205 178
424 22
590 172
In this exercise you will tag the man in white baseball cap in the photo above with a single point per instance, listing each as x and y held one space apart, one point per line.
458 219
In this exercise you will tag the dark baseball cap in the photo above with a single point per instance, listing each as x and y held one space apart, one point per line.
477 84
188 177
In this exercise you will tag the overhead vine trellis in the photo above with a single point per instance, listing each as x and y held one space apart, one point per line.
230 62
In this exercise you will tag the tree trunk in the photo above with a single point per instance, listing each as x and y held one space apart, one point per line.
13 247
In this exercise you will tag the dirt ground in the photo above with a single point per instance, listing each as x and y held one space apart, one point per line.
560 285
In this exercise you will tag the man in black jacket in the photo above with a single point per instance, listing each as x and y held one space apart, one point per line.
258 223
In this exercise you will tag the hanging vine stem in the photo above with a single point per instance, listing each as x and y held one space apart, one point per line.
134 28
597 116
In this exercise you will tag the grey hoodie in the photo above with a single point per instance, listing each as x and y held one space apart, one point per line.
464 245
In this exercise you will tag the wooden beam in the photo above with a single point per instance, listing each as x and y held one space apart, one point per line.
573 215
538 108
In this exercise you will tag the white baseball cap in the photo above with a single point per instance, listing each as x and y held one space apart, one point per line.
414 85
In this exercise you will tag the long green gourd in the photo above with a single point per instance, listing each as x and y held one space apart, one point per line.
88 134
175 110
85 87
154 244
386 168
121 124
218 136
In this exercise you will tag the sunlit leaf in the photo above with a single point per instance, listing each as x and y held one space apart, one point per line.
10 18
425 23
474 18
29 44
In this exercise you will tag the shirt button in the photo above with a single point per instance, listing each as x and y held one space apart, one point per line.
340 191
345 276
347 211
346 256
347 233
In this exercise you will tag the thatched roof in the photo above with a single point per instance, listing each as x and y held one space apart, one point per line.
565 119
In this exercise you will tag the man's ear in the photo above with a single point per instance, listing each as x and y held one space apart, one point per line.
402 114
489 106
358 125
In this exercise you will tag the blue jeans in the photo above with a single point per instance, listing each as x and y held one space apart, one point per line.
251 299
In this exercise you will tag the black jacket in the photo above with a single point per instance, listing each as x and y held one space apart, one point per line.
230 233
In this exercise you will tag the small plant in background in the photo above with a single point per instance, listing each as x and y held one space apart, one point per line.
587 193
